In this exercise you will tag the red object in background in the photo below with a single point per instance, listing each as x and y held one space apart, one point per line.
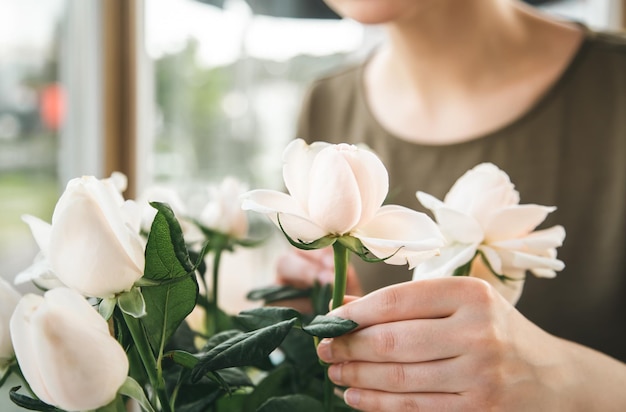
52 106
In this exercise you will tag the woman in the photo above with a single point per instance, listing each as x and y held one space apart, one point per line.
457 83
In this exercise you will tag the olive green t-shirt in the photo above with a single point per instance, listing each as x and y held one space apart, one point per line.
568 150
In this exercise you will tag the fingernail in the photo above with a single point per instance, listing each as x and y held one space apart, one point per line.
334 373
352 397
324 350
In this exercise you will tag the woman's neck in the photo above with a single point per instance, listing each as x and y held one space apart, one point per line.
457 60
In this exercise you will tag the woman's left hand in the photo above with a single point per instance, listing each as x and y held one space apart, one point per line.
452 344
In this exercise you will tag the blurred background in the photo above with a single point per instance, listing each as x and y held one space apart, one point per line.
172 92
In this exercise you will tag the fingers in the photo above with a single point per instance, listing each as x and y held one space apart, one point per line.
423 299
404 341
302 269
447 376
375 401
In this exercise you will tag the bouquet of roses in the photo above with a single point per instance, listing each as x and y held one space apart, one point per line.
112 324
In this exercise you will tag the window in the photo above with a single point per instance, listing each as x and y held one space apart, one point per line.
32 111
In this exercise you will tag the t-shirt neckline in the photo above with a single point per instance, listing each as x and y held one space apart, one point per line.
530 113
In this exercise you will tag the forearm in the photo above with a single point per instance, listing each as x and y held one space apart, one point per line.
598 382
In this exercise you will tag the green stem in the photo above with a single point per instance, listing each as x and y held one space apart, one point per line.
341 254
153 369
329 393
215 279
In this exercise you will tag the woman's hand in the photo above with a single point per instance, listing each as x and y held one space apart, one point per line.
302 268
454 344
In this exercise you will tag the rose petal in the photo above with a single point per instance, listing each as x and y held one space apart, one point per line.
520 260
82 229
458 227
293 219
480 190
372 180
41 231
334 201
9 298
535 241
26 346
449 259
40 273
396 227
78 357
298 158
429 201
515 221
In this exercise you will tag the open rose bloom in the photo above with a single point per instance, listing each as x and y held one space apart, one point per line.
481 219
338 190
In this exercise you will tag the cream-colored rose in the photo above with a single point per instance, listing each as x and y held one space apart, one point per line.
65 351
8 300
223 212
338 190
481 213
93 244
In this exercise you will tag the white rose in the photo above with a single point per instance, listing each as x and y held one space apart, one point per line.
481 213
223 212
8 300
93 244
65 351
339 190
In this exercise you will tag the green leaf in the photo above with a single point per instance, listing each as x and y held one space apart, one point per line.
169 303
30 403
244 349
132 389
233 403
176 235
290 403
265 316
277 293
276 383
106 307
219 338
354 244
182 358
463 270
300 244
132 303
116 405
203 402
234 377
329 326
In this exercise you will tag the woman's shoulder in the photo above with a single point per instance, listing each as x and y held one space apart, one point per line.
330 100
603 47
598 73
338 86
608 41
